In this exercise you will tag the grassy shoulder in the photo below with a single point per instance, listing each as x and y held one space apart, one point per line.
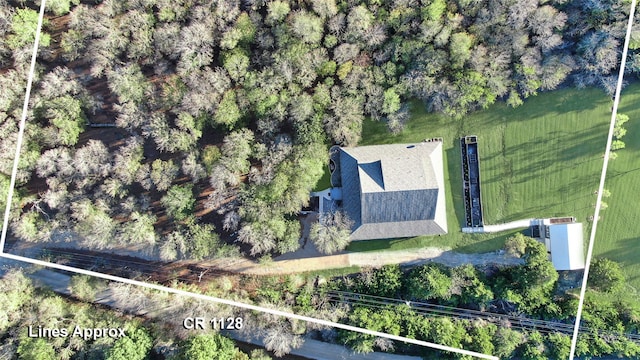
618 230
541 159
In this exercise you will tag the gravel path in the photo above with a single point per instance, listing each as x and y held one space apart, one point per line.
376 259
425 255
307 258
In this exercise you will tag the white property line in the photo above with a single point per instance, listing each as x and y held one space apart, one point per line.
603 175
159 287
246 306
21 127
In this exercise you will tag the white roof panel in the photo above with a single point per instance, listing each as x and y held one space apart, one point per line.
567 246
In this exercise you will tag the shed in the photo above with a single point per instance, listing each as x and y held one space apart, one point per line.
567 246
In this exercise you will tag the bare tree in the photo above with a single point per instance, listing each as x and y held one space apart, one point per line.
92 163
261 239
331 233
279 339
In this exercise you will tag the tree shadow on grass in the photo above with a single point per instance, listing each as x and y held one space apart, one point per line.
492 243
626 253
369 245
454 166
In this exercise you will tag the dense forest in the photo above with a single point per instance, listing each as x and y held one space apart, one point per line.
166 123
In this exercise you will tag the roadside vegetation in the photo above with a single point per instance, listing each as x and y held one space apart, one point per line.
154 122
529 291
523 312
25 305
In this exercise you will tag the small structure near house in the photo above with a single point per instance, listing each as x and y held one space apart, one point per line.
471 181
389 191
564 239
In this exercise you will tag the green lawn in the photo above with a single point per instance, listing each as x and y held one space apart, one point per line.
541 159
618 233
325 180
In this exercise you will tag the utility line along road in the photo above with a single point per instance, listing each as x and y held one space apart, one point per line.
311 349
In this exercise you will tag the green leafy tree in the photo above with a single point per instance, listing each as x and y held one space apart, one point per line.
15 292
236 150
516 245
60 7
619 130
210 154
163 173
559 345
605 275
136 345
324 8
179 201
208 347
93 223
531 285
84 287
446 331
506 341
139 229
534 348
31 226
468 288
460 48
617 145
430 281
481 335
386 281
259 354
386 320
128 83
391 102
23 26
434 10
359 20
277 11
307 27
228 113
35 349
66 114
241 33
236 63
203 241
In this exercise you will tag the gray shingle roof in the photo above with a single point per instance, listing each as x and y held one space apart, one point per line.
394 190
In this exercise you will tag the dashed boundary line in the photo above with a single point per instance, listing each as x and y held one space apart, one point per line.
603 176
247 306
165 288
21 127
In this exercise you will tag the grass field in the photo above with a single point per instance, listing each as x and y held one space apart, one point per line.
618 233
325 180
541 159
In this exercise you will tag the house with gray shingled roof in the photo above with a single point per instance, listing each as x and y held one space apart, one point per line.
393 191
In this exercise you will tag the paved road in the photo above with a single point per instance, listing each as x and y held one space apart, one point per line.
311 349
